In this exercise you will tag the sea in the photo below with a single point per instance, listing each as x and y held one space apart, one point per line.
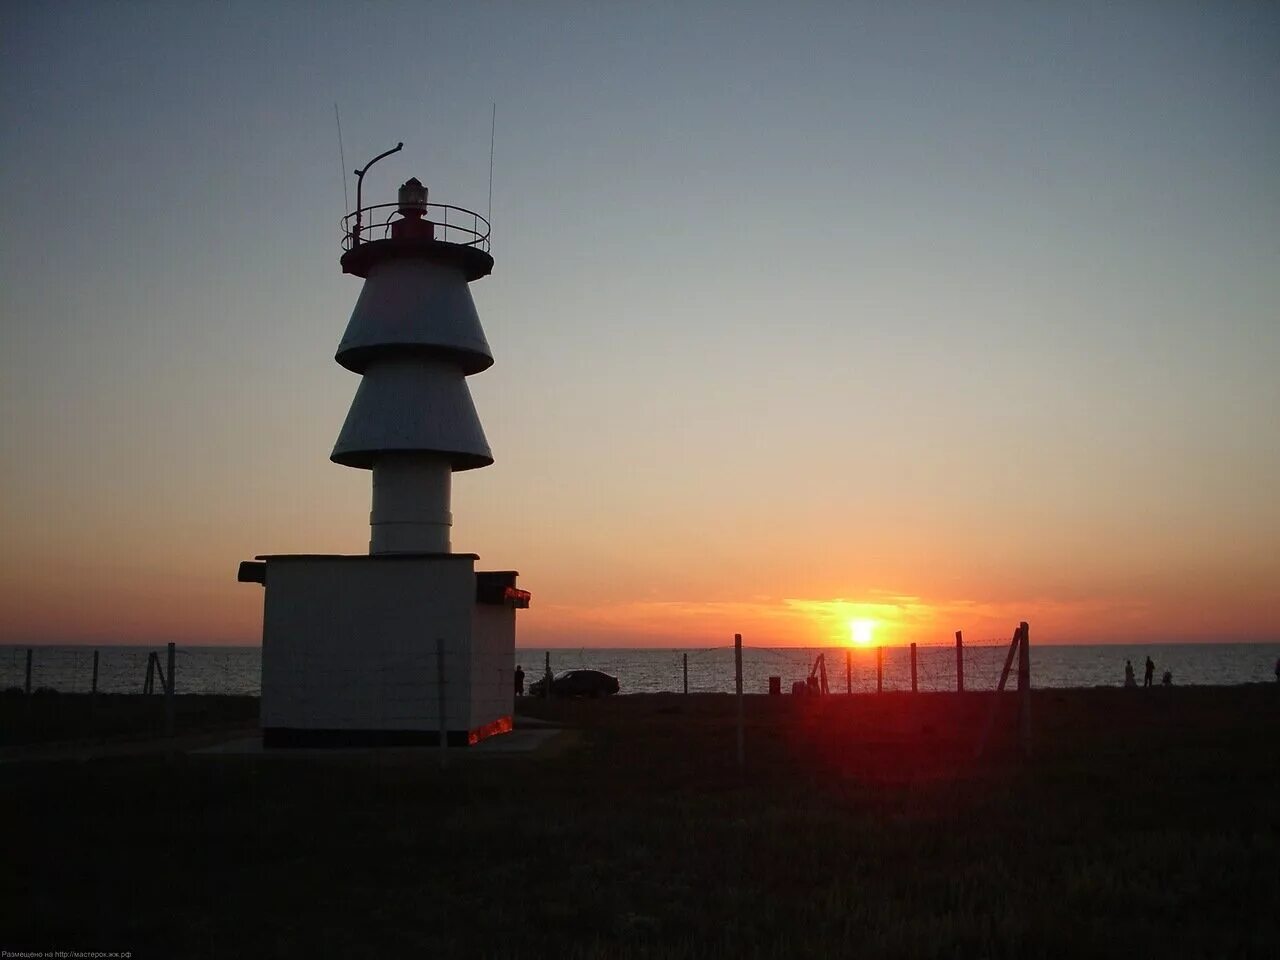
237 670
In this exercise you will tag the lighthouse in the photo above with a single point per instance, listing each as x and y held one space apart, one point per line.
409 643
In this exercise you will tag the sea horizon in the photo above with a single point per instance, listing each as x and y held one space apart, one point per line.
236 669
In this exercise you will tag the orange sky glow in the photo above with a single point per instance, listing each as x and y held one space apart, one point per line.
938 321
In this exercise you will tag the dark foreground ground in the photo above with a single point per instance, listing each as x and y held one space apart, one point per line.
1146 825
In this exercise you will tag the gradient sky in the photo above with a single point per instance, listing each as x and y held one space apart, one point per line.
946 315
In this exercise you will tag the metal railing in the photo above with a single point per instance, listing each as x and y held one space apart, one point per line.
452 225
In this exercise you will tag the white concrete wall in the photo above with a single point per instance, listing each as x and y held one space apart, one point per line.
349 642
493 649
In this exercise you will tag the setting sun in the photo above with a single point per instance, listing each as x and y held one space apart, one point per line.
861 630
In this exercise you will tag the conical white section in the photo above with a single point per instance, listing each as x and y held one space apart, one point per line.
415 305
417 404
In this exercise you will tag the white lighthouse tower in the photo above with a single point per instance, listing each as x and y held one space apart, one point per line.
410 641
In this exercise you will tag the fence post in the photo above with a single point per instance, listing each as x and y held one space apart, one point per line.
93 696
159 672
168 694
879 669
546 677
737 666
913 668
1024 688
443 723
1014 646
148 685
848 671
686 673
1008 660
28 689
959 662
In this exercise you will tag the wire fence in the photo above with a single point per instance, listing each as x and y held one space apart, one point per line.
237 671
68 694
34 680
711 669
199 670
853 670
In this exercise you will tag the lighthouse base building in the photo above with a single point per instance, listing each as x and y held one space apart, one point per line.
410 643
354 649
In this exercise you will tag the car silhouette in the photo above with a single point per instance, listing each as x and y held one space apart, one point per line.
576 683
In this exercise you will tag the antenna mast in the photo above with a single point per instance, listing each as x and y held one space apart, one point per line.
493 126
342 159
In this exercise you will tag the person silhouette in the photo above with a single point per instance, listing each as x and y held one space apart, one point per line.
1149 672
1167 679
1128 674
519 680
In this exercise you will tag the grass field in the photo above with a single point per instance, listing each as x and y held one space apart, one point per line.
1147 823
48 717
